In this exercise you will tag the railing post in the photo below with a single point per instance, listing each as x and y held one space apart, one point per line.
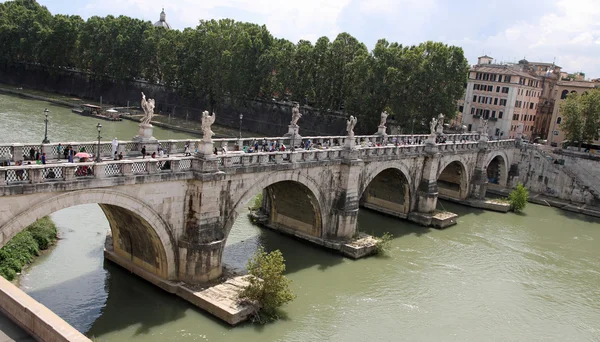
127 168
17 151
174 164
263 159
278 158
152 166
69 171
172 146
227 162
35 174
99 170
2 176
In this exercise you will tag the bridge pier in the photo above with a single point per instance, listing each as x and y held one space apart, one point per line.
479 179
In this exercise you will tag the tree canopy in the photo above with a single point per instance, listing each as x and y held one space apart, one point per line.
225 58
581 116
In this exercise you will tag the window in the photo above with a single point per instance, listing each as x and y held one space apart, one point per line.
517 104
495 101
559 120
505 90
486 114
490 88
573 91
506 79
531 105
493 113
503 102
472 110
461 108
564 94
498 89
470 127
500 115
478 76
515 116
475 86
474 98
499 78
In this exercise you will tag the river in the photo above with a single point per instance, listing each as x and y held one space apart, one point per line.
502 277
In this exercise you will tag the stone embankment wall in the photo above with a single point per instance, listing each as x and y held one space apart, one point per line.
538 171
269 118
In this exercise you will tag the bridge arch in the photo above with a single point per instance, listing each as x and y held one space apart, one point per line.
453 179
139 234
292 199
497 165
387 188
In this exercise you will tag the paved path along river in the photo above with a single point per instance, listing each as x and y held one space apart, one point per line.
498 277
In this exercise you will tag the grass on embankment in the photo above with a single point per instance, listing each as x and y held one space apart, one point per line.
25 246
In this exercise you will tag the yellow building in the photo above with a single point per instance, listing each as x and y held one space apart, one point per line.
560 92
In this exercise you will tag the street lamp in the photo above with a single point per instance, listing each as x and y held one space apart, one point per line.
241 117
99 127
46 141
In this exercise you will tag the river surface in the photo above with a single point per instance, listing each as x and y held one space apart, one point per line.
492 277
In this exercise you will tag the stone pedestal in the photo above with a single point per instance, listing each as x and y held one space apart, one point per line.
431 139
205 160
145 138
350 143
293 135
479 184
381 131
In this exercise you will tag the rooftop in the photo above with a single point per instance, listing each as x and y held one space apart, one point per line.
502 69
163 21
580 84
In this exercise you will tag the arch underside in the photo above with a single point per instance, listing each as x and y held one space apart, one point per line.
452 181
388 193
138 234
497 173
292 207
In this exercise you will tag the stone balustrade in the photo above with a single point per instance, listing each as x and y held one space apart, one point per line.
32 174
15 152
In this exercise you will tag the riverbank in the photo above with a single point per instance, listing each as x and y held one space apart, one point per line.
580 208
24 247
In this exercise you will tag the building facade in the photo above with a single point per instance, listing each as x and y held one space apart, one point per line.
560 92
505 95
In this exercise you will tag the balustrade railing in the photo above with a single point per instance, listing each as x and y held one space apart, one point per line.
34 173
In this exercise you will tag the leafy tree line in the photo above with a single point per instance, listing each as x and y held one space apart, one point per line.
225 58
581 116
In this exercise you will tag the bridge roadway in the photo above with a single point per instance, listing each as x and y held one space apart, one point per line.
170 217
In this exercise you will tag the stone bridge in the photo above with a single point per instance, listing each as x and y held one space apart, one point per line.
170 217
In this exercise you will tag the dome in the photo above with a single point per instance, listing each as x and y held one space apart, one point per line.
162 22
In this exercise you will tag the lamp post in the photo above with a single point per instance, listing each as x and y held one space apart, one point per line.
46 141
241 117
99 127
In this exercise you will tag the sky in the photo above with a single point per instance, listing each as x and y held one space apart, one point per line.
564 31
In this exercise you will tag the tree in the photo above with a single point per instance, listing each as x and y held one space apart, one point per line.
267 287
518 198
581 116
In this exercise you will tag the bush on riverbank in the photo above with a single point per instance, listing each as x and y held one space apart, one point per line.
518 198
268 288
25 246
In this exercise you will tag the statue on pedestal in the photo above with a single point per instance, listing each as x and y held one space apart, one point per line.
350 123
148 108
207 121
296 115
433 125
440 126
384 116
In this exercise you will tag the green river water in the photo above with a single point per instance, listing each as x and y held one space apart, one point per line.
491 277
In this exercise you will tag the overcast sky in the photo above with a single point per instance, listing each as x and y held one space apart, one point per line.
508 30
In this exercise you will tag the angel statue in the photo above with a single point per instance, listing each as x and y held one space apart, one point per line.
432 125
296 115
148 107
384 116
207 121
350 125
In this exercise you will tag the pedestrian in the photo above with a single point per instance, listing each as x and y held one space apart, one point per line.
186 151
115 145
143 152
37 155
44 158
120 155
31 153
59 150
153 155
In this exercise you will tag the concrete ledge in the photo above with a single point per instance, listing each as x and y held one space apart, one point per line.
363 246
488 204
41 323
438 219
220 300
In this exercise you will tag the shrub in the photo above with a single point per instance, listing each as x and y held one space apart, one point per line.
25 246
518 198
384 243
268 288
257 202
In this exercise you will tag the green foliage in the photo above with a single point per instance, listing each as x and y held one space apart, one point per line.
26 245
224 59
267 287
384 243
518 198
257 203
581 116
